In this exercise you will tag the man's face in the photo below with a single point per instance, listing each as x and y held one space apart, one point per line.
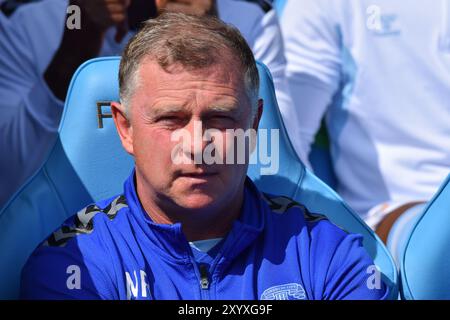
190 102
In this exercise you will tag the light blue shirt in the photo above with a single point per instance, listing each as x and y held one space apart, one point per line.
379 70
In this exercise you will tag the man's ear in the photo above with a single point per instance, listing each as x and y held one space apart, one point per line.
123 126
258 115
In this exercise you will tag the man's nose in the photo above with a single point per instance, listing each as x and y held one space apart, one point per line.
194 149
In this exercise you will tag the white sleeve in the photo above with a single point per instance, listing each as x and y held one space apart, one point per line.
30 112
262 32
268 48
313 52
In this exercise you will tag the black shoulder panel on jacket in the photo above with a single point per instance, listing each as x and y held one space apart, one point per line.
83 222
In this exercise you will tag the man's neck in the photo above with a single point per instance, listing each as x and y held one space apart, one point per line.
208 223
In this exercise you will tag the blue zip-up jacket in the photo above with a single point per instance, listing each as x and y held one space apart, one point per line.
275 250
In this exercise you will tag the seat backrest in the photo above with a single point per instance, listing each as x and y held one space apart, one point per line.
320 158
88 164
425 264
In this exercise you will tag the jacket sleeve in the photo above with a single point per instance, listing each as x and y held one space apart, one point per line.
65 273
351 274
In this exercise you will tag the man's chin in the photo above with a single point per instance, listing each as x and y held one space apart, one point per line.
197 201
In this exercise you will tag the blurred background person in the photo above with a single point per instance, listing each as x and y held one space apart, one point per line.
379 72
41 47
38 56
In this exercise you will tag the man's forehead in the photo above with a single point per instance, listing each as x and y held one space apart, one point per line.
226 71
217 82
179 90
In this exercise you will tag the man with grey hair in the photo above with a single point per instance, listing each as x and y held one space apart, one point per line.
194 230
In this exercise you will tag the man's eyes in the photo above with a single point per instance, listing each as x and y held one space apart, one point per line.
221 122
171 120
216 122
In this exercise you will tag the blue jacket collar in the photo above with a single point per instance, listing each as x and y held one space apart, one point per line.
170 240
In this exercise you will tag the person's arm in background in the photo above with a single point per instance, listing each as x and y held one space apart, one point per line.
313 50
268 48
259 25
26 131
79 45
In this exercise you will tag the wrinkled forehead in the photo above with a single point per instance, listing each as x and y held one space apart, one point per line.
224 81
225 69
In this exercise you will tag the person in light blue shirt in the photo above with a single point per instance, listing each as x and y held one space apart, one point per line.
189 229
379 73
38 56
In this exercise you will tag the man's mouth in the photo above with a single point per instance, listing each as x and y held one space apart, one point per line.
201 175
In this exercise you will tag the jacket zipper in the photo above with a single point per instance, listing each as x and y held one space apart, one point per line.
204 281
204 277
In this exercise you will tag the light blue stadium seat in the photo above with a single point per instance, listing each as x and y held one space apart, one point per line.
401 230
320 158
88 163
425 263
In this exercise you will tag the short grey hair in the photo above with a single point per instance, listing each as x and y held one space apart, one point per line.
192 41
